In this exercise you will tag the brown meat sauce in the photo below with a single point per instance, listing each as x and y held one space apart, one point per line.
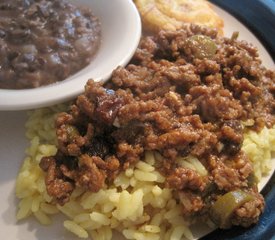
170 102
43 42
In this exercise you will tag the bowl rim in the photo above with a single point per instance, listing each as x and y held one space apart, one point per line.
25 99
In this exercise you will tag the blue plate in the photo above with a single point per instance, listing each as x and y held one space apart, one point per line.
259 17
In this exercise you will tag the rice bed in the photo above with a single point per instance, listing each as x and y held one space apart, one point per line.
137 204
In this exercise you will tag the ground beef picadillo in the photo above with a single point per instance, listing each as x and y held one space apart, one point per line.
176 102
44 41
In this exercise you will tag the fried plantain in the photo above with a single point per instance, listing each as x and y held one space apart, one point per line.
172 14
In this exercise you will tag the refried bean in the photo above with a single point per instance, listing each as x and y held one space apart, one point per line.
43 41
178 104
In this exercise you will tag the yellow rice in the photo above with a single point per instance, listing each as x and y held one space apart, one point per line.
122 206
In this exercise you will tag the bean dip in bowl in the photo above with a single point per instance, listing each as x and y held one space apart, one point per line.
115 27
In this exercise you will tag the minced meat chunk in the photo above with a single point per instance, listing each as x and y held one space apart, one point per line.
249 212
177 104
56 183
183 178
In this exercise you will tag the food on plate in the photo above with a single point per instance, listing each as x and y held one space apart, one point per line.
173 14
43 42
185 129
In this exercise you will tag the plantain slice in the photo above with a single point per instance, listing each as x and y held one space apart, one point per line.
172 14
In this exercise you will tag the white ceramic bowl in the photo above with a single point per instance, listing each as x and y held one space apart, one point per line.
121 31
